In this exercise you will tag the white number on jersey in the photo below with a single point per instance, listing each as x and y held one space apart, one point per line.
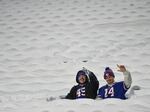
109 92
81 92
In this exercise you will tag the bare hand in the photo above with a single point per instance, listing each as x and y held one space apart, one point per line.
121 68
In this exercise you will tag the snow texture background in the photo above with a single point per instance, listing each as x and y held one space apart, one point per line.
43 43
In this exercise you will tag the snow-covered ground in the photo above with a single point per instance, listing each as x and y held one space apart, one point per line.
43 43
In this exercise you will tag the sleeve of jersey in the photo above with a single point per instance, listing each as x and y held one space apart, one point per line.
127 79
100 93
71 94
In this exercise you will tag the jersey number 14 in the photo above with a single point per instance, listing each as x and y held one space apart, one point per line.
109 92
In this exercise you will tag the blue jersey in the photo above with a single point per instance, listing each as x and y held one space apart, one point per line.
117 90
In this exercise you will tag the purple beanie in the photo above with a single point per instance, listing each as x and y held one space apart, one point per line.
108 72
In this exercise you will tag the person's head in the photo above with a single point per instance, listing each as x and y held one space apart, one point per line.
109 75
81 77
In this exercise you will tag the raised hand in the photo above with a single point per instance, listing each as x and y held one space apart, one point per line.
121 68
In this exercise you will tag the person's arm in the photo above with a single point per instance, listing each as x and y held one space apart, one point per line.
127 75
127 79
99 94
71 94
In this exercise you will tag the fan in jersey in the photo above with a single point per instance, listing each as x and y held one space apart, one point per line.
115 89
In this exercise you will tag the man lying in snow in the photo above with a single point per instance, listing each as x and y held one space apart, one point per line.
87 85
115 89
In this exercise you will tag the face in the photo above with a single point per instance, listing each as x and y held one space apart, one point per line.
110 79
82 79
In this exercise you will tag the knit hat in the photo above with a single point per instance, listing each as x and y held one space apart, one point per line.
108 72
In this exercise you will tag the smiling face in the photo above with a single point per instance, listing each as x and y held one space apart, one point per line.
110 79
82 79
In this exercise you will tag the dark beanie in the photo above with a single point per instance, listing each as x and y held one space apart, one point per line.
108 72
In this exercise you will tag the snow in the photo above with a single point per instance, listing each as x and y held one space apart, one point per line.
43 43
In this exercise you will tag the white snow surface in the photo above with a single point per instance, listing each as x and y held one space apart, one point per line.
43 43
